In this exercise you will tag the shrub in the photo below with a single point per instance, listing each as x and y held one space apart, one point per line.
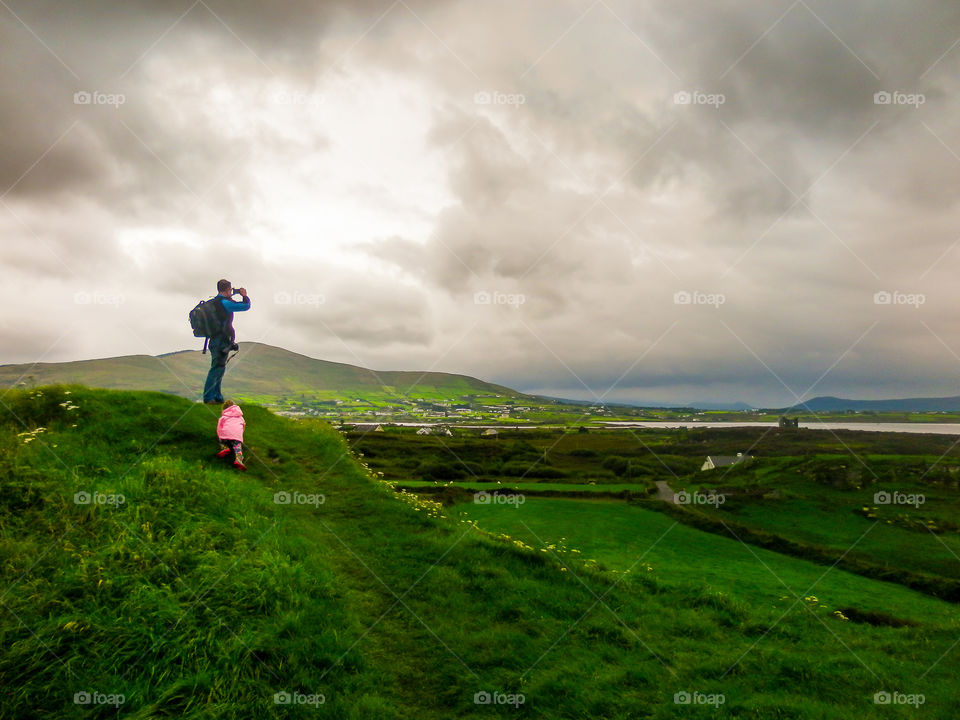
531 469
877 619
616 464
432 470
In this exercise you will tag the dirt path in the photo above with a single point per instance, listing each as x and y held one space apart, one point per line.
664 492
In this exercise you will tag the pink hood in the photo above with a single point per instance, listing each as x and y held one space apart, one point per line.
231 424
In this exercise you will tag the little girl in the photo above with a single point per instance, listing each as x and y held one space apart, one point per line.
230 433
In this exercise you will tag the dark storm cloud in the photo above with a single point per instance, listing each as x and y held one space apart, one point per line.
52 50
798 98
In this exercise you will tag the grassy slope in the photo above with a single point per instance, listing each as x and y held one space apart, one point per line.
199 597
616 534
259 371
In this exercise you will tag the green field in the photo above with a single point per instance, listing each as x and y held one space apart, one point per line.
602 457
644 455
809 494
199 596
832 501
625 537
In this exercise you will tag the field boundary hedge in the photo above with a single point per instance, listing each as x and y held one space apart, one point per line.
938 587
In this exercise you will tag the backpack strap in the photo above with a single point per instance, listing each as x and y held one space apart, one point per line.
223 316
206 340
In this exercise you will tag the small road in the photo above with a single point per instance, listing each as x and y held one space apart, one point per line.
664 492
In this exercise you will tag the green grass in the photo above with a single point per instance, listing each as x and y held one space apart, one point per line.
612 456
839 527
200 597
528 487
626 537
815 496
830 502
542 455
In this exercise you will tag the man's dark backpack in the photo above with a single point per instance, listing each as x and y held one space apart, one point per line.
205 321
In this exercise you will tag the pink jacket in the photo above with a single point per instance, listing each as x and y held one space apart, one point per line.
231 424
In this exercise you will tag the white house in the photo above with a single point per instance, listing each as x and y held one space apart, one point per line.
715 461
435 430
368 427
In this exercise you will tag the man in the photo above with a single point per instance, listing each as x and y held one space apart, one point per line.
221 343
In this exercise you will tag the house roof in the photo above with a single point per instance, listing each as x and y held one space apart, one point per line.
721 460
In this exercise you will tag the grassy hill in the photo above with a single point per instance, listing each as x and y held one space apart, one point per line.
259 373
142 578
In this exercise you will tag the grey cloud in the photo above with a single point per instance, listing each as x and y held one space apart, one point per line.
407 255
686 206
53 50
356 315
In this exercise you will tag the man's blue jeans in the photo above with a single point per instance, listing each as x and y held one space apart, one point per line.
219 348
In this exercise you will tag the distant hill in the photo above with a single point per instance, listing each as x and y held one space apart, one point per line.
928 404
655 404
709 405
258 373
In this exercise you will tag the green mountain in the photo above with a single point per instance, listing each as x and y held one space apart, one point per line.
259 373
143 578
828 403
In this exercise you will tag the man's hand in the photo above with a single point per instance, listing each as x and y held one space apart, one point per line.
242 291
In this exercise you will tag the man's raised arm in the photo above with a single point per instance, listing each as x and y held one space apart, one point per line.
231 306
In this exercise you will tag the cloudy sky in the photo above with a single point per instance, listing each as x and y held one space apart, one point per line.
634 201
